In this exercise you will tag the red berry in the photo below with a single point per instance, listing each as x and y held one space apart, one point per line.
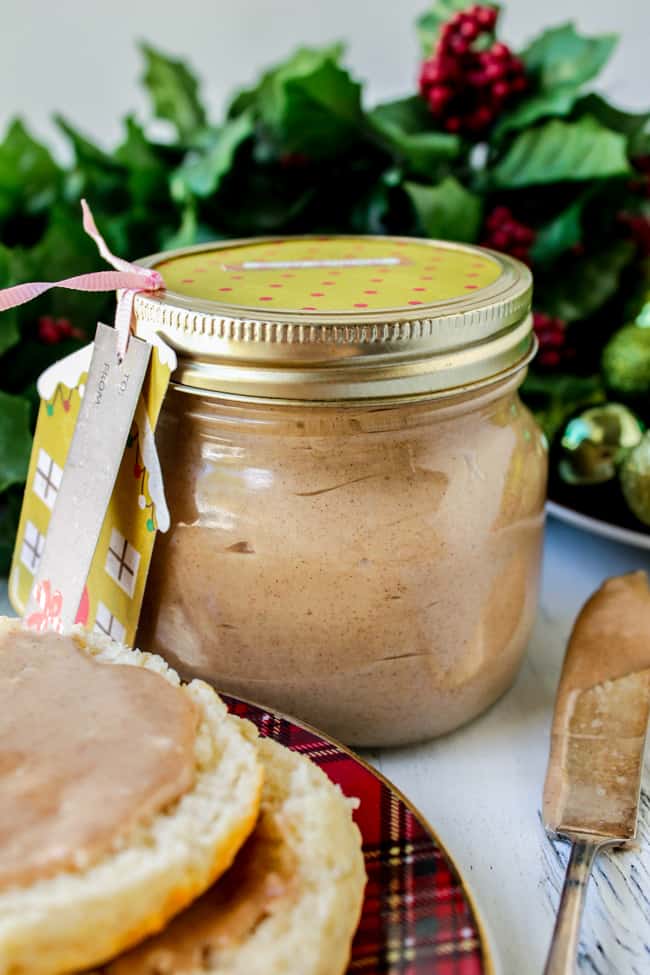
476 83
504 233
470 29
500 89
51 331
486 17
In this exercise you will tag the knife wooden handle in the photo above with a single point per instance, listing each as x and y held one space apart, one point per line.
563 952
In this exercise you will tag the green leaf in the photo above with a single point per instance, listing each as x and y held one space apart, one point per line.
174 92
634 126
544 104
148 171
9 332
10 505
96 174
311 104
405 129
560 234
447 211
201 174
553 397
559 61
585 285
430 22
30 180
15 439
561 56
561 151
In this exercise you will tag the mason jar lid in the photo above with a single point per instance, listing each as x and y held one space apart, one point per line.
337 318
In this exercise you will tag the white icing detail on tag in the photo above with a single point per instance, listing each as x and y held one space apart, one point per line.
32 548
325 262
166 354
152 464
122 562
66 371
108 624
47 479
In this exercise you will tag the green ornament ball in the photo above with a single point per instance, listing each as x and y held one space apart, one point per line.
626 362
596 441
635 479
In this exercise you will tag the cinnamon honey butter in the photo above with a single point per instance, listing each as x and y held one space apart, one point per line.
71 782
261 881
356 490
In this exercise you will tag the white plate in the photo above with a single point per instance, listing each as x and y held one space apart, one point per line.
597 527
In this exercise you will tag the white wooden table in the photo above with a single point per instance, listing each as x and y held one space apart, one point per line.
480 788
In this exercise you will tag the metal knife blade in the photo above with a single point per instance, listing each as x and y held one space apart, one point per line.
601 716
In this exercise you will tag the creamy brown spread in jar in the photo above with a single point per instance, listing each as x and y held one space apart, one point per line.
87 751
261 880
356 490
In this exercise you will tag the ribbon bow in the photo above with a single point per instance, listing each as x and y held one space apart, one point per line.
127 279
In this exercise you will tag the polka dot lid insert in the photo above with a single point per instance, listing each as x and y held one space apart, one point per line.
330 275
331 318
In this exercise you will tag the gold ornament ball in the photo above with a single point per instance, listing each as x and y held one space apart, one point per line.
595 442
635 479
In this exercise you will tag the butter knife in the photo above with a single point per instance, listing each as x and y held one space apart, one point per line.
593 781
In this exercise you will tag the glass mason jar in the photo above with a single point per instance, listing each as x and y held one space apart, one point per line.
356 495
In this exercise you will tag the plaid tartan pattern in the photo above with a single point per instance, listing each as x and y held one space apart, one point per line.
416 917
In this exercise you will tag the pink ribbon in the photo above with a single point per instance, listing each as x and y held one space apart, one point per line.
128 279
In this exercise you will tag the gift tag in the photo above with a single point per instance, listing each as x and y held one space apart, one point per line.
81 497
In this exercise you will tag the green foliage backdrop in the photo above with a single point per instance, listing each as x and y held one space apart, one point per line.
301 151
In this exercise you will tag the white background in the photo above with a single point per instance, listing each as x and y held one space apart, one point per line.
79 57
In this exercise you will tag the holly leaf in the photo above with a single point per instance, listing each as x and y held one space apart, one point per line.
9 331
585 285
201 173
145 163
310 104
30 180
561 56
15 439
544 104
558 63
554 397
560 151
10 505
429 23
448 210
559 234
174 92
635 126
404 128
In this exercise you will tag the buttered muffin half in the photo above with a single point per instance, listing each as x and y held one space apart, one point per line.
290 903
124 794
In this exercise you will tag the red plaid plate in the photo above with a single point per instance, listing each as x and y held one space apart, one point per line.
417 918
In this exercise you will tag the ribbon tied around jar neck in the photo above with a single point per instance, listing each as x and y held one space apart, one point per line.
127 278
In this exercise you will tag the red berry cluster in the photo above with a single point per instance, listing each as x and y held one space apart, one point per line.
51 330
466 88
551 335
504 233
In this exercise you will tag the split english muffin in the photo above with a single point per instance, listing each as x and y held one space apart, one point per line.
289 905
123 796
